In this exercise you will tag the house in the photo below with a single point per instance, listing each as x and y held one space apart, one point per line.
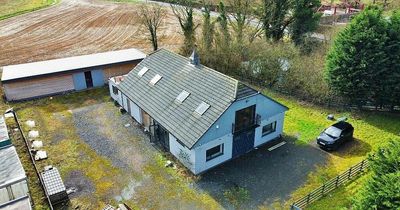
14 192
203 117
45 78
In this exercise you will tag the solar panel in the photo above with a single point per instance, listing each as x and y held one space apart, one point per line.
142 71
202 108
182 96
155 79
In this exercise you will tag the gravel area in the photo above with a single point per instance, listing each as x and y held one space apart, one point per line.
89 130
269 177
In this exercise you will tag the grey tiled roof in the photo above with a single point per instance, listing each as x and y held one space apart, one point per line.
203 84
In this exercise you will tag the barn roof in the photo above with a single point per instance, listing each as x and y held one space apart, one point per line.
11 169
25 70
204 86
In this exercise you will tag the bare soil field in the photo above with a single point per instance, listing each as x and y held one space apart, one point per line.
77 27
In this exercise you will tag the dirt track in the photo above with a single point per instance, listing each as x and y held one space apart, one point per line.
76 27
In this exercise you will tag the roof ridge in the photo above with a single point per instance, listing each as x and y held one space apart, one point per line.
203 66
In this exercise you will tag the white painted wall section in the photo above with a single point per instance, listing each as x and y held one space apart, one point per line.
182 153
116 97
200 152
259 139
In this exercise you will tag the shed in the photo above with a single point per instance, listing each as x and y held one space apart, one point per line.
4 137
13 181
50 77
54 185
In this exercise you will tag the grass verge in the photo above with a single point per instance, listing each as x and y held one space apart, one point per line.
11 8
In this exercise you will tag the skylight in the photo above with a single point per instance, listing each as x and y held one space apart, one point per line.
142 71
202 108
155 79
182 96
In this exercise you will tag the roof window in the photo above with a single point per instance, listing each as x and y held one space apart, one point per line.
155 79
142 71
182 96
202 108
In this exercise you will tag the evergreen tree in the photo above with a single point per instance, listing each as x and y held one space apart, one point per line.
223 24
275 18
207 29
393 52
305 19
357 63
183 11
382 187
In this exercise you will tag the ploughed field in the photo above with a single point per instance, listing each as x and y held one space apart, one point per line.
77 27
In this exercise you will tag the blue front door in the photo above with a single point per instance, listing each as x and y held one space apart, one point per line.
243 142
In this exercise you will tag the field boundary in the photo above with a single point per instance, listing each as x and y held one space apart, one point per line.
21 12
331 185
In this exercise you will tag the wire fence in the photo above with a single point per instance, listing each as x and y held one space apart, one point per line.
331 185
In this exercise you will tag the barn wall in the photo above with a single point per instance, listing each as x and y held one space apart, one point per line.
118 70
38 87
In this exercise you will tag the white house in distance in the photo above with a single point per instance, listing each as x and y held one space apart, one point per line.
203 117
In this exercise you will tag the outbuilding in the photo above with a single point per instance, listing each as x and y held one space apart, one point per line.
45 78
14 192
203 117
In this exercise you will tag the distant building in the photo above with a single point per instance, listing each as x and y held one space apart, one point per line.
45 78
203 117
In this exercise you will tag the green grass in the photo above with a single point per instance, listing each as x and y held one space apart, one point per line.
303 122
11 8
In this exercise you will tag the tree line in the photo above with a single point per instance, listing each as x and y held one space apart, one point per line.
270 43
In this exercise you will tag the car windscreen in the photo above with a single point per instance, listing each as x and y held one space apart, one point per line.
333 131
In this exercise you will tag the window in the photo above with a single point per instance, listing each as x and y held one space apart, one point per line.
214 152
142 71
182 96
115 90
155 79
202 108
270 128
244 118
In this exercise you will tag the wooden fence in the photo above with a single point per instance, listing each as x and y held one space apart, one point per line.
330 185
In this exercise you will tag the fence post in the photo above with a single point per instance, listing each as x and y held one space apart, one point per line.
362 165
323 189
350 172
308 198
337 181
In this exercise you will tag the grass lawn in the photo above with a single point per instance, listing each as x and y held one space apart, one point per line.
305 121
11 8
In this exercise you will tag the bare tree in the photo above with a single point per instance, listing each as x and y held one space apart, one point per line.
183 11
151 16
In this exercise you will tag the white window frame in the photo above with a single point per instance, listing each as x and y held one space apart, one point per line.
273 126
